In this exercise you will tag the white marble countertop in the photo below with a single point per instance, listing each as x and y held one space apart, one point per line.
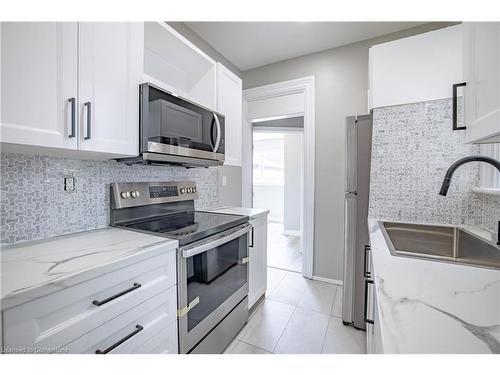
33 269
434 307
252 213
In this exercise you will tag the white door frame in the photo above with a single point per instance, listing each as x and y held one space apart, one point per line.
303 85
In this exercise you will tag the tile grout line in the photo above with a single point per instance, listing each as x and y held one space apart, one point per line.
326 333
286 325
254 346
329 318
334 297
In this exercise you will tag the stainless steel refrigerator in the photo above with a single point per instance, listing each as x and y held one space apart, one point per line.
358 158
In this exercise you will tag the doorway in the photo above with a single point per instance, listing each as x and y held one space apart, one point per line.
278 185
280 105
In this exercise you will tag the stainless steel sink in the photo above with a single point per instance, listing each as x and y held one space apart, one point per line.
445 243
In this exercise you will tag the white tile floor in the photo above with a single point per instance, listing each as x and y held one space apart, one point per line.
298 316
283 250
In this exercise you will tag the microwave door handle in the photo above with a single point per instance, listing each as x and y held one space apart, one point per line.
217 141
212 142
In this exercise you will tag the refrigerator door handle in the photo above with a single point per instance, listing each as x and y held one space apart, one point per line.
366 272
369 321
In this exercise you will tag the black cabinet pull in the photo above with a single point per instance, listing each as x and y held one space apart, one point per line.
72 102
88 105
370 321
99 303
138 328
455 106
251 236
366 273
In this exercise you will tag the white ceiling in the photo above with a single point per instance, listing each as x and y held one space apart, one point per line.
252 44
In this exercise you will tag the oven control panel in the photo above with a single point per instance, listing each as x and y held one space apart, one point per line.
163 191
132 194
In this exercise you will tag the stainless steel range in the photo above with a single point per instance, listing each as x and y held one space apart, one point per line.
212 258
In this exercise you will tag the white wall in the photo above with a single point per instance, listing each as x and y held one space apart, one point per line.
292 189
269 197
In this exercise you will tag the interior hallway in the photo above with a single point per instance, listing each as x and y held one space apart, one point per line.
283 251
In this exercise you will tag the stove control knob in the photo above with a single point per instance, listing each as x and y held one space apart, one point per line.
134 194
193 190
189 190
183 191
125 194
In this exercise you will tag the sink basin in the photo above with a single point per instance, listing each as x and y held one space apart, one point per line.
445 243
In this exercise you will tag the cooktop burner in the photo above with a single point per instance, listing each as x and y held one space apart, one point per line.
188 226
166 209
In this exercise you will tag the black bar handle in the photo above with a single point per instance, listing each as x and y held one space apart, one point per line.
88 105
138 328
251 236
455 106
370 321
72 102
366 273
99 303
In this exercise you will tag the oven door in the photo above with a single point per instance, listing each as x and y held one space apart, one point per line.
176 126
212 280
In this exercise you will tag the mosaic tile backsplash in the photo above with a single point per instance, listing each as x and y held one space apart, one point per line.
413 146
34 204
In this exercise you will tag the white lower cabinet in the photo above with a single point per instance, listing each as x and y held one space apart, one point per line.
373 333
130 331
257 273
118 312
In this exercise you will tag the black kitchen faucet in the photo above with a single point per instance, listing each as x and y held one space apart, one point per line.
449 173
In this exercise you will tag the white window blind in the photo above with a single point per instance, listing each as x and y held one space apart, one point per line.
489 176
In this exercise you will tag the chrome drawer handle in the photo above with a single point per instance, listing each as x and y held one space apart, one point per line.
99 303
138 328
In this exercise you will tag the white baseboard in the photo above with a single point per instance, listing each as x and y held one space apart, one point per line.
291 232
327 280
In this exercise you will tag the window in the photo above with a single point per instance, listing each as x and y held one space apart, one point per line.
489 176
268 159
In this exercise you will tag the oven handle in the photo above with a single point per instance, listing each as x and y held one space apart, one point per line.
217 141
191 251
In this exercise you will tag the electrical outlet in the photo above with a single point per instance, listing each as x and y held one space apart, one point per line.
69 183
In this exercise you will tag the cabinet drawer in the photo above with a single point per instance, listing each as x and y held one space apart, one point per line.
163 342
145 320
59 318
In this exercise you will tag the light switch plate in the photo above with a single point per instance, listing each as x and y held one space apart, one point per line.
224 180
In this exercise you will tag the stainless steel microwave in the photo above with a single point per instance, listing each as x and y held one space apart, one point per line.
174 130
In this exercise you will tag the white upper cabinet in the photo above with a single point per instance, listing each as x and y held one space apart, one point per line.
39 84
110 64
173 63
482 76
72 86
415 69
229 103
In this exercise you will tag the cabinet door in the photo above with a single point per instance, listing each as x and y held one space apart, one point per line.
111 55
38 79
229 103
257 275
482 70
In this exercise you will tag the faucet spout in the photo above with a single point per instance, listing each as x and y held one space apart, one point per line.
449 173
